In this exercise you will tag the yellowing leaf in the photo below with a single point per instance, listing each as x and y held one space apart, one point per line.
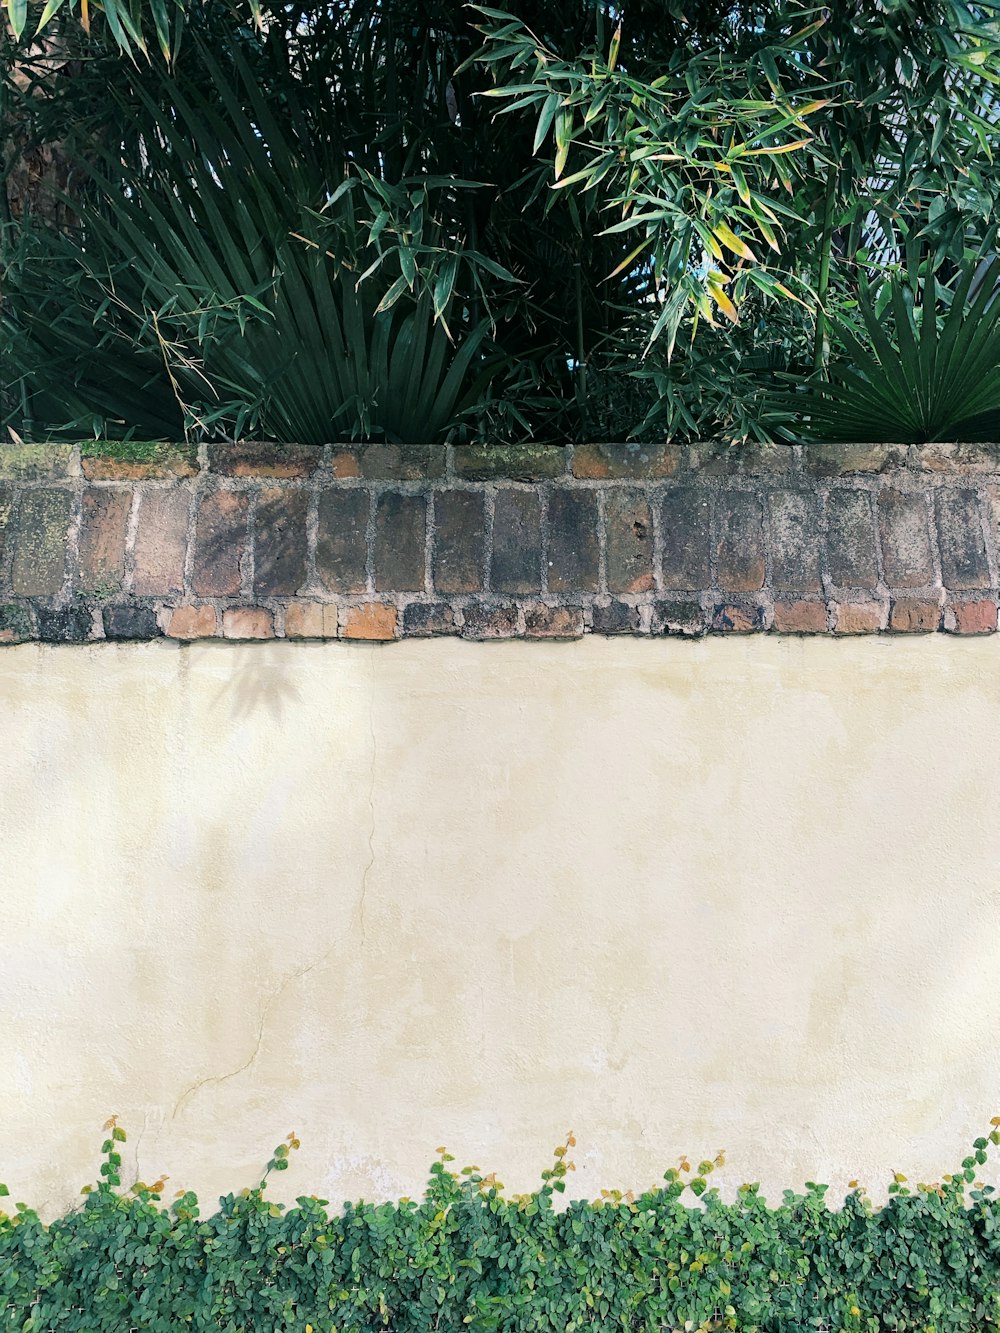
732 242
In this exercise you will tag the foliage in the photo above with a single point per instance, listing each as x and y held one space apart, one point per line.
468 1256
928 369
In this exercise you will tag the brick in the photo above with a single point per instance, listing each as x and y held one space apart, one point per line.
740 544
859 618
510 462
979 617
390 462
486 620
41 527
426 619
310 620
286 461
573 547
129 621
914 615
616 618
960 540
220 543
628 537
459 555
161 543
800 617
65 624
138 462
6 510
517 542
728 460
247 622
400 542
678 619
102 539
342 540
737 619
279 564
838 460
684 518
907 560
189 622
15 623
850 539
553 622
795 542
599 462
35 462
372 620
967 458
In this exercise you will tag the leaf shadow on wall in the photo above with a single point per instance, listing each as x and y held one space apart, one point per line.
259 685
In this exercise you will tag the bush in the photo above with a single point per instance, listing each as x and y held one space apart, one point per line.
469 1257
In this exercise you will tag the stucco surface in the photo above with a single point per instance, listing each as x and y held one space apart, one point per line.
740 893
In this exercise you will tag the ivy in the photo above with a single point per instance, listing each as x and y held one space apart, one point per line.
469 1257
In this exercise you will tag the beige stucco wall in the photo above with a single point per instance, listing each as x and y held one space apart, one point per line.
741 894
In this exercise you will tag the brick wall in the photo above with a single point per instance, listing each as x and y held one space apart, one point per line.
381 542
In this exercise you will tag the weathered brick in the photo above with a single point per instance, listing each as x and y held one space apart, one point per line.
6 509
960 540
510 462
138 462
486 620
907 560
914 615
102 539
740 544
965 458
684 521
342 540
850 539
247 622
859 617
616 618
553 622
287 461
628 540
41 526
161 542
390 462
979 617
220 543
400 542
598 462
279 566
459 555
310 620
189 622
65 624
425 619
738 619
795 542
573 547
800 617
678 619
372 620
35 462
15 623
130 621
723 460
837 460
517 542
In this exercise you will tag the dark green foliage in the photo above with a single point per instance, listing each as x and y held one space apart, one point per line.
468 1257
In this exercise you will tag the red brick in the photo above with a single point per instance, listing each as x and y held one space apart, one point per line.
598 462
737 619
553 622
371 620
161 543
859 618
800 617
220 543
102 538
346 464
248 622
264 460
310 620
972 617
914 615
629 540
161 461
741 542
189 622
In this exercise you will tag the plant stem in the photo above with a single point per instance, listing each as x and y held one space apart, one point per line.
821 348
